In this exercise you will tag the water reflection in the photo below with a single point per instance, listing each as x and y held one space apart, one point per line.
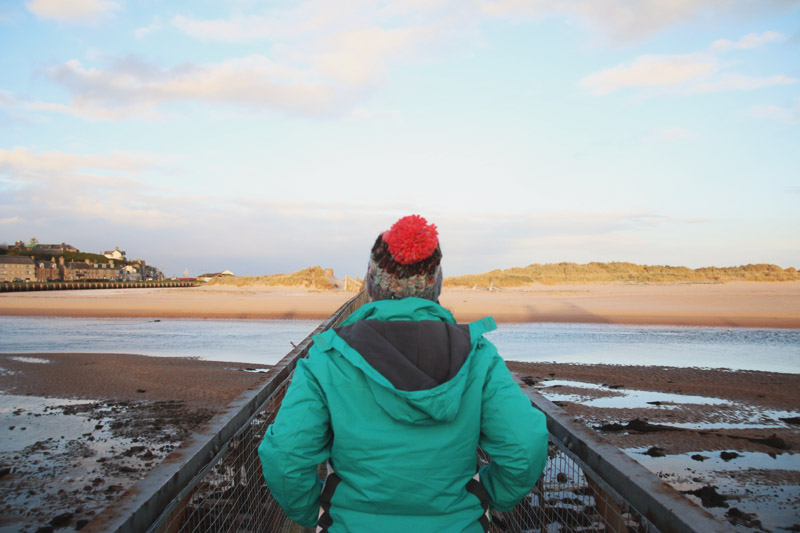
775 350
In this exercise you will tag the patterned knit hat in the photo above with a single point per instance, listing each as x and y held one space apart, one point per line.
405 262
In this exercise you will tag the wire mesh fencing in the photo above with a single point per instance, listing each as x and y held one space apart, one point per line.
586 485
566 498
231 495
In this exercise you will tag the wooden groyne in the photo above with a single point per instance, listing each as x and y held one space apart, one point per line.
8 286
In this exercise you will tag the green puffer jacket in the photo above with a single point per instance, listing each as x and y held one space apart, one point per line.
399 398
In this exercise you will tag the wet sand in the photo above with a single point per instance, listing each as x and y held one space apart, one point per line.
745 392
737 304
137 409
727 439
127 377
63 461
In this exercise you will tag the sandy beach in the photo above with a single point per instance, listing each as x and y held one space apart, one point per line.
736 304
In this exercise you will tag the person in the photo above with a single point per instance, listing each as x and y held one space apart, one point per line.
398 399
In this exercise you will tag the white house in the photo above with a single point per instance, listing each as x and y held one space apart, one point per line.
116 254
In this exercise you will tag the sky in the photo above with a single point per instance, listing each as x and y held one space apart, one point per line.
266 136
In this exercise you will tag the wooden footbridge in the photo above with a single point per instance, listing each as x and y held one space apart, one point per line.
213 482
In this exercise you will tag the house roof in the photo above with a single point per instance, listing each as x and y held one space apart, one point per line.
16 260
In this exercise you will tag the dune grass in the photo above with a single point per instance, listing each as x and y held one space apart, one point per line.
311 278
619 271
318 278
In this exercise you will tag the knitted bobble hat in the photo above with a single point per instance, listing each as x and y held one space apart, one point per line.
405 262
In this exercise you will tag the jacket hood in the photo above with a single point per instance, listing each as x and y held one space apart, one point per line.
414 356
411 308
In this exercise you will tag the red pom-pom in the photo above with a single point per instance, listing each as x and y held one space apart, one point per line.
411 239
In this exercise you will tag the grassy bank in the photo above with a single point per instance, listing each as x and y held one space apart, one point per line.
608 272
311 278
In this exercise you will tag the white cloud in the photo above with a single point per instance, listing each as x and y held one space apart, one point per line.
652 71
327 59
697 72
22 161
131 86
72 10
352 43
238 28
789 114
313 21
77 197
144 31
751 40
625 21
360 56
328 72
619 20
49 186
738 82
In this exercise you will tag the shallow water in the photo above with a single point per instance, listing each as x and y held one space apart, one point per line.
267 341
28 419
622 398
738 416
773 350
776 504
242 341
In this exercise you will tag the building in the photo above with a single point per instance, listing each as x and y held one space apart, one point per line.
16 268
54 249
76 271
104 271
139 270
47 270
115 254
34 246
212 275
89 271
152 273
131 273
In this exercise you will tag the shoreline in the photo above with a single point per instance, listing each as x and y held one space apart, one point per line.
734 304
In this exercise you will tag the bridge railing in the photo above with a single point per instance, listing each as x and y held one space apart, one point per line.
213 482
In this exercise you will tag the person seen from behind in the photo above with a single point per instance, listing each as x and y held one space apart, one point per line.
397 399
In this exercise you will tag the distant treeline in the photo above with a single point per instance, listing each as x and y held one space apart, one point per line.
574 272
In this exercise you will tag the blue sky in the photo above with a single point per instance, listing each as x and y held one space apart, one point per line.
264 136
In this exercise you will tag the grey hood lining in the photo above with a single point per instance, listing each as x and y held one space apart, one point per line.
412 355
